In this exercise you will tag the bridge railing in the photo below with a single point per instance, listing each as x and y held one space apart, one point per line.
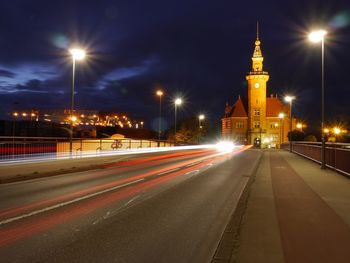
337 154
17 148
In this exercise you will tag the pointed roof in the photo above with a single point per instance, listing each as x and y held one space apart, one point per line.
239 109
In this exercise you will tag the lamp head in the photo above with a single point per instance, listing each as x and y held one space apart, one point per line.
201 117
178 101
159 93
317 36
289 98
77 53
281 115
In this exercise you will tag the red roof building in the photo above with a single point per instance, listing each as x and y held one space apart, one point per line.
258 120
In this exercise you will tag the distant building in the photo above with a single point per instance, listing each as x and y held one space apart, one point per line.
256 119
81 117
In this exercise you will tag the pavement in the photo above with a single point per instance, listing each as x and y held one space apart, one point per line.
292 211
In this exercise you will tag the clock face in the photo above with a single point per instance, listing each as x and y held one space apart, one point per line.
256 85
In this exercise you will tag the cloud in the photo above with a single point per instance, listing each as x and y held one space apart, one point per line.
7 74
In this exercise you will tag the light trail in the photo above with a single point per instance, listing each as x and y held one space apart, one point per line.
89 154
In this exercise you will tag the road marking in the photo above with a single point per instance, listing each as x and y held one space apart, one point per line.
191 164
9 220
169 171
131 200
194 172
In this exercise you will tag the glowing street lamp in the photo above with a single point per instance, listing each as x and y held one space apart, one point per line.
200 118
177 103
316 37
160 94
336 130
290 100
77 54
281 117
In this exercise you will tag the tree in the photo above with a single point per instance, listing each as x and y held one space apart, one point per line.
310 138
297 135
189 131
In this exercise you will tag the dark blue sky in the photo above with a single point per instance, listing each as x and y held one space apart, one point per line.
199 49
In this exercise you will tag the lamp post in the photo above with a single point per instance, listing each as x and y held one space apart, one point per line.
200 118
315 37
290 100
178 102
160 94
281 116
77 54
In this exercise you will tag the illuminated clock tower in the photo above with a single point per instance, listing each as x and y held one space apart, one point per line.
257 79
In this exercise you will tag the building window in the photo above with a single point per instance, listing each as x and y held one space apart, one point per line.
274 125
239 124
256 124
256 112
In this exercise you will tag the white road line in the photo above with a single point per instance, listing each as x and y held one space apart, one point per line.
131 200
191 164
192 172
9 220
169 171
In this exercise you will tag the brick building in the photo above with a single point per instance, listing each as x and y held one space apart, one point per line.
258 120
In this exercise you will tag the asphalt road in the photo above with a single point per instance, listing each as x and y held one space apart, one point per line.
166 208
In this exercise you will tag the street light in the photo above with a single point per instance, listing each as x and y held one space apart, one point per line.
300 126
77 54
290 100
316 37
200 118
160 94
281 117
177 103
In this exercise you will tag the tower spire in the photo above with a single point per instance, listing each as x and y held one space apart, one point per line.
257 30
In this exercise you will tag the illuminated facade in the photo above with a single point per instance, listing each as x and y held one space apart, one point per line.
258 120
81 118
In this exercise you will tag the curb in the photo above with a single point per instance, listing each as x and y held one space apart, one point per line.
229 241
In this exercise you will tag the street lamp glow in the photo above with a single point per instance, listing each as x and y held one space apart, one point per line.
317 36
201 117
281 115
73 119
326 130
336 130
289 98
159 93
178 101
299 125
77 53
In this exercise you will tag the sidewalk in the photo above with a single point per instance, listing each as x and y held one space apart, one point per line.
293 212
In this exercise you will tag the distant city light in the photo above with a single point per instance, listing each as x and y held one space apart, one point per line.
281 115
159 92
201 117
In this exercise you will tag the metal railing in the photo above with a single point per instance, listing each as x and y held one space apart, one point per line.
337 154
17 148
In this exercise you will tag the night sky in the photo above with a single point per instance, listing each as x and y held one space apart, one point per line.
200 50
